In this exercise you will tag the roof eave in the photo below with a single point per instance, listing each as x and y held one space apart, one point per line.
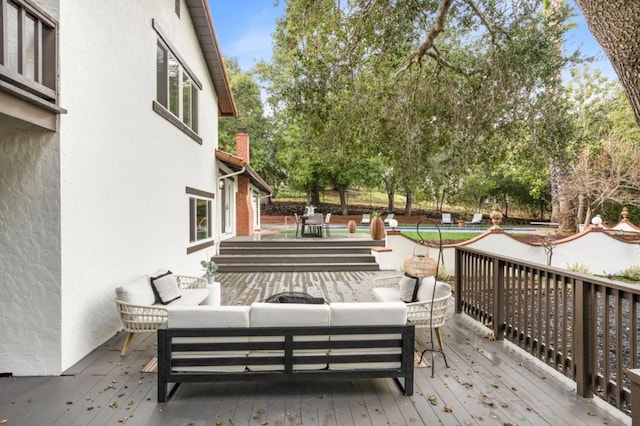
205 31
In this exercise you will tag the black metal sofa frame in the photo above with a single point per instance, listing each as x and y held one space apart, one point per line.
291 349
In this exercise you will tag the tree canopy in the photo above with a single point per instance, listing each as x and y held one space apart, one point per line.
425 88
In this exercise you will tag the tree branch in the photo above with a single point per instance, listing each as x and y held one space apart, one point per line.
437 28
491 27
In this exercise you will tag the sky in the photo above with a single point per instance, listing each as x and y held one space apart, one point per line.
244 31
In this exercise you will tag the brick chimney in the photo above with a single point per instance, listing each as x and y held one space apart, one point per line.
242 145
244 207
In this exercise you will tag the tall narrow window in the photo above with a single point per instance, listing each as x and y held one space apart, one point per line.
162 77
186 100
12 45
29 48
174 86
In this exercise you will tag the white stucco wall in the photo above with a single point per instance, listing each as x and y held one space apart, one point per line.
30 272
601 253
29 250
124 168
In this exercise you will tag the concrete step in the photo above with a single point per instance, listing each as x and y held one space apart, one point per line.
294 258
297 254
302 242
284 250
297 267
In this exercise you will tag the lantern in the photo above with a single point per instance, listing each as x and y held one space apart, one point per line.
420 265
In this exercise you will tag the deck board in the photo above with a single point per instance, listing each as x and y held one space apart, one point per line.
507 385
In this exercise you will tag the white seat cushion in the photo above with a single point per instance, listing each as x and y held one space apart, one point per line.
190 297
137 292
387 294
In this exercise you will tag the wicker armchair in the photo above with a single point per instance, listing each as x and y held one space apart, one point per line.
419 313
146 318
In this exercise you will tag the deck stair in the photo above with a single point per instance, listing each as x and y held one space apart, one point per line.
296 255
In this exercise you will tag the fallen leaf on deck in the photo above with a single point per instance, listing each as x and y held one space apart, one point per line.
433 399
4 421
510 424
447 409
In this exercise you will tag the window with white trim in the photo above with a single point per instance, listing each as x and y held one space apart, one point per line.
200 218
176 90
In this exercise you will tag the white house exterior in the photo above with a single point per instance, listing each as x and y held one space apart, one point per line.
107 164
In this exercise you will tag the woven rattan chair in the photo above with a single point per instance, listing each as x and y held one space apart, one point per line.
419 313
147 319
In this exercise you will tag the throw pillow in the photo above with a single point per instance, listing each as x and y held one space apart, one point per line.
408 288
426 289
165 287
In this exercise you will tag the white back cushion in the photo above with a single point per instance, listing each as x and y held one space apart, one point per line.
368 313
425 292
289 314
208 316
137 292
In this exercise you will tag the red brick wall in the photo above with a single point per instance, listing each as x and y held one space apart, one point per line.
242 146
244 208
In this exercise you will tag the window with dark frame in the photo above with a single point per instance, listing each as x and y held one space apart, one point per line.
28 49
200 219
176 88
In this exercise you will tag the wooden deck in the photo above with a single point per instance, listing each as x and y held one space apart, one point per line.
489 382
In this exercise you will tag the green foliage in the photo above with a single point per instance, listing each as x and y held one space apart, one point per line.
251 117
632 273
579 267
210 267
356 101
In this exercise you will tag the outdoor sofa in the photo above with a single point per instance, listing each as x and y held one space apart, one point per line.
286 341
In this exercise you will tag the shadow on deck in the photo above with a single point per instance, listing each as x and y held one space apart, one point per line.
489 382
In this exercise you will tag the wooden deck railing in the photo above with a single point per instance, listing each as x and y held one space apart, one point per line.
583 326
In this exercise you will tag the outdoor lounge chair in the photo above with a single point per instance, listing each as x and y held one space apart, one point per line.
446 219
430 309
366 219
387 219
477 220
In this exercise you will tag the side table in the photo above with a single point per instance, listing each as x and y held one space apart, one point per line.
214 294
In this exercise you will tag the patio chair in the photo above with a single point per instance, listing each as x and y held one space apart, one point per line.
366 219
325 224
446 219
387 219
420 313
476 220
298 223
